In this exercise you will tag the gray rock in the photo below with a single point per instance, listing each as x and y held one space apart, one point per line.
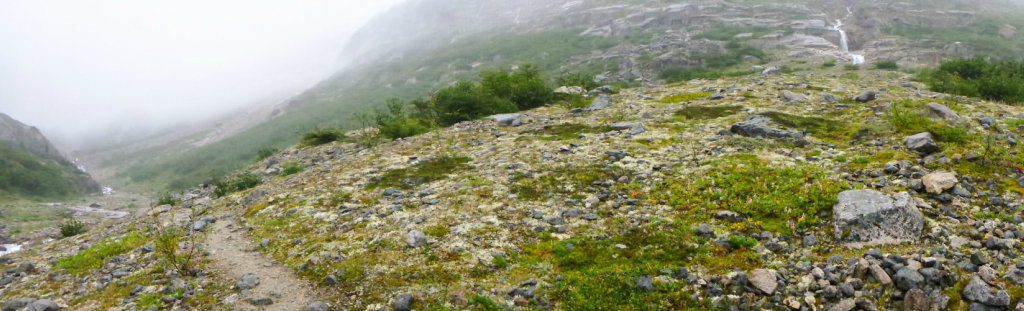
866 96
761 126
916 300
791 97
979 291
763 280
987 121
261 301
771 71
645 282
317 306
941 111
508 119
601 102
402 303
415 238
907 279
16 304
705 230
871 216
43 305
247 281
844 305
921 143
880 275
829 98
939 182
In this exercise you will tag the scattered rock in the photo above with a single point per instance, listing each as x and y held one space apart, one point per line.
261 301
871 216
402 303
601 102
508 119
761 126
247 281
939 182
317 306
979 291
791 97
646 283
907 279
43 305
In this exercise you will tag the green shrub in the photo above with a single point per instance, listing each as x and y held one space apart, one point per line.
739 241
523 87
290 168
998 81
235 184
166 198
468 101
886 65
321 137
577 79
908 117
266 153
94 257
71 228
395 122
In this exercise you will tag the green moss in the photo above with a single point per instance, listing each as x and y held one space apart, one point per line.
774 197
568 131
94 257
420 173
573 181
707 112
437 231
684 97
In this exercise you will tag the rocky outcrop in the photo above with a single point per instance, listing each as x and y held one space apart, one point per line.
873 217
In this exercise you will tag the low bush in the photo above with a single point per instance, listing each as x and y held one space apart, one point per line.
236 183
887 65
266 153
290 168
420 173
71 228
577 79
166 198
321 137
998 81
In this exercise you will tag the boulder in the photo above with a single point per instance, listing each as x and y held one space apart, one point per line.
921 143
570 90
873 217
601 102
907 279
866 96
43 305
791 97
508 119
771 71
941 111
317 306
761 126
763 280
415 238
829 98
402 303
247 281
939 182
980 292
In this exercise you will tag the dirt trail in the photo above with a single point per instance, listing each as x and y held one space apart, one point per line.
234 255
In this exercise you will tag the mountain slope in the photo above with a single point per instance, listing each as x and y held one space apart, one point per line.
30 166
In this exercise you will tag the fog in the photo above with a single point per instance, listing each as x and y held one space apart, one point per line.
78 69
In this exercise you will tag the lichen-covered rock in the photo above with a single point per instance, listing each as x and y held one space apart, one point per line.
939 182
762 126
871 216
922 143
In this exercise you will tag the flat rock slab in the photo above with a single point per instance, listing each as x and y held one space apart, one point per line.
873 217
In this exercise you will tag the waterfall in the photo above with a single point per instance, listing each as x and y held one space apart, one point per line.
844 44
10 248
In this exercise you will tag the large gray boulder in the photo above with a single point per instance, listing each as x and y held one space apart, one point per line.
922 143
873 217
601 102
762 126
43 305
941 111
980 292
508 119
791 97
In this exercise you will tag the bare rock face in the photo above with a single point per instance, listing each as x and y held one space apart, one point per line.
873 217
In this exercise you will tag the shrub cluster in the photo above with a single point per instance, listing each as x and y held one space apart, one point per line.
235 184
496 92
1000 81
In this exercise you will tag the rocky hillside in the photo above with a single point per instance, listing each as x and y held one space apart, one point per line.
425 45
33 167
825 189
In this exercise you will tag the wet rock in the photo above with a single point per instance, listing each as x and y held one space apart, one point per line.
402 303
939 182
415 238
921 143
871 216
763 280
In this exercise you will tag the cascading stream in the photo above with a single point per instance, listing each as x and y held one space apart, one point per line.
844 44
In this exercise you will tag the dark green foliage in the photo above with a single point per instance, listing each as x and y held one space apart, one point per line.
1000 81
321 137
468 101
25 174
577 79
421 173
887 65
71 228
707 112
166 198
828 64
739 241
395 123
524 87
236 183
485 303
266 153
982 35
851 67
908 117
291 168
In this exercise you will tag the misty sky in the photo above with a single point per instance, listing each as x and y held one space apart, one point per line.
76 67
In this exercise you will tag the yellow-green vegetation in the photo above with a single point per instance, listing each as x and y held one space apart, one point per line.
420 173
568 131
909 117
574 181
29 175
599 274
777 198
707 112
290 168
684 97
821 127
23 216
236 183
94 257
